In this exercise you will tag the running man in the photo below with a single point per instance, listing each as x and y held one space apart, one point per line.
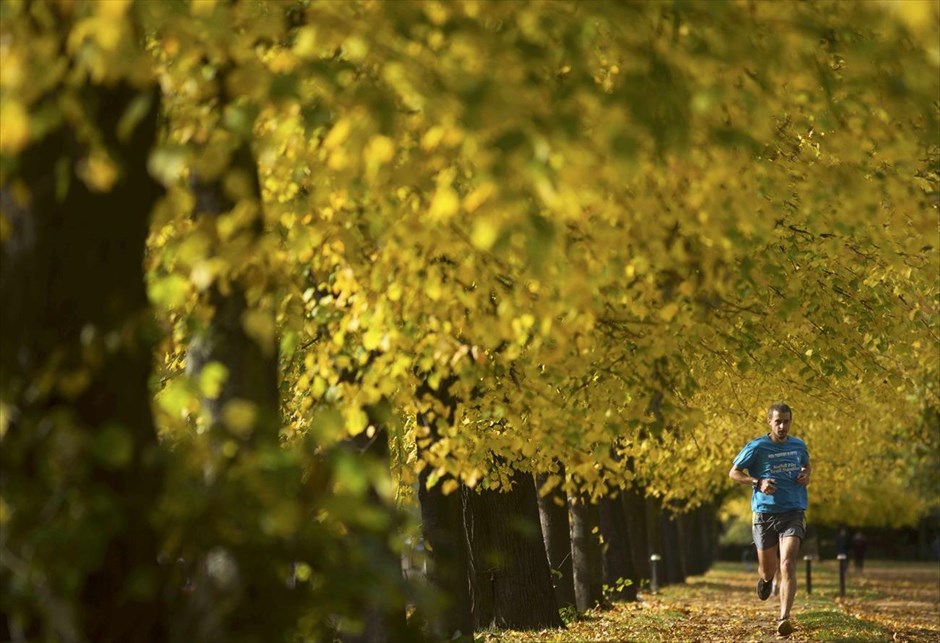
777 466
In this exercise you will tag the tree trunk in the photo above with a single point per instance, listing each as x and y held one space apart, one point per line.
511 586
634 508
81 467
448 566
383 615
654 535
445 539
672 552
619 572
696 541
585 553
240 609
553 514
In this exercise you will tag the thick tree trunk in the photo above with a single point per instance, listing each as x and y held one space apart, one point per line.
445 539
511 586
672 552
634 508
695 539
619 572
712 529
81 467
553 514
585 553
706 520
448 566
252 373
241 609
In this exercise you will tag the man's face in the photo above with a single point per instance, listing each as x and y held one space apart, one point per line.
779 426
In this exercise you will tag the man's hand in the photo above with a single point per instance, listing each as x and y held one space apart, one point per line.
803 478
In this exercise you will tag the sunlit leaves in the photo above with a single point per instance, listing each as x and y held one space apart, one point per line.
617 240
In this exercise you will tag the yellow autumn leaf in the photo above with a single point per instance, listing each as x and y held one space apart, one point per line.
98 172
112 9
479 196
202 8
444 204
668 312
379 151
372 338
239 416
305 42
432 138
356 420
259 325
432 288
338 134
12 72
212 379
485 233
14 126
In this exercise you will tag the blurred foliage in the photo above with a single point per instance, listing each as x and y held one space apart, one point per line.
623 228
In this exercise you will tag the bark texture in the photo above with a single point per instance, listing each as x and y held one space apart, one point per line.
553 515
673 555
448 566
510 583
444 535
619 571
634 509
585 553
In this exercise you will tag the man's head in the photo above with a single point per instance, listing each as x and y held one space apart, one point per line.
779 417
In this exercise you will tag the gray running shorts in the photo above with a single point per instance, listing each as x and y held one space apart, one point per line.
770 528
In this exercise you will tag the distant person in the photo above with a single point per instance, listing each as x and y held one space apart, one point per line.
747 559
842 542
811 543
777 466
858 547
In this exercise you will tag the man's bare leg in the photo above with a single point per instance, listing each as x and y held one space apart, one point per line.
789 549
767 563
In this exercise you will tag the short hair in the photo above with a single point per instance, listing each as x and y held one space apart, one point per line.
779 407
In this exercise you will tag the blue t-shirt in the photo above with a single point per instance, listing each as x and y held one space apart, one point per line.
763 458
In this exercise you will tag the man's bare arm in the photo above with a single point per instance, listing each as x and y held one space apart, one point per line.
764 486
739 475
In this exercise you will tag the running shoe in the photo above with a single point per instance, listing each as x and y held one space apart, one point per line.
784 627
763 588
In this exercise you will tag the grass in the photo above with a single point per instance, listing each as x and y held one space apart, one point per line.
833 624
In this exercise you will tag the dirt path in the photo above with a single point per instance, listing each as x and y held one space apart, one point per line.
886 603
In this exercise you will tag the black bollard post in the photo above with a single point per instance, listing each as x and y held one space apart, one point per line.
654 572
809 574
843 565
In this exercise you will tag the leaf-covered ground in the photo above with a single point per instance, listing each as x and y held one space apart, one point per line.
886 602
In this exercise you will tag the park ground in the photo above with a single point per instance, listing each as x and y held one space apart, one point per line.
888 601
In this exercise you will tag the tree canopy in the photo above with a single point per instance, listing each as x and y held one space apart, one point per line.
612 232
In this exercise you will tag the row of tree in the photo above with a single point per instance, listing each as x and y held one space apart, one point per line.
545 263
